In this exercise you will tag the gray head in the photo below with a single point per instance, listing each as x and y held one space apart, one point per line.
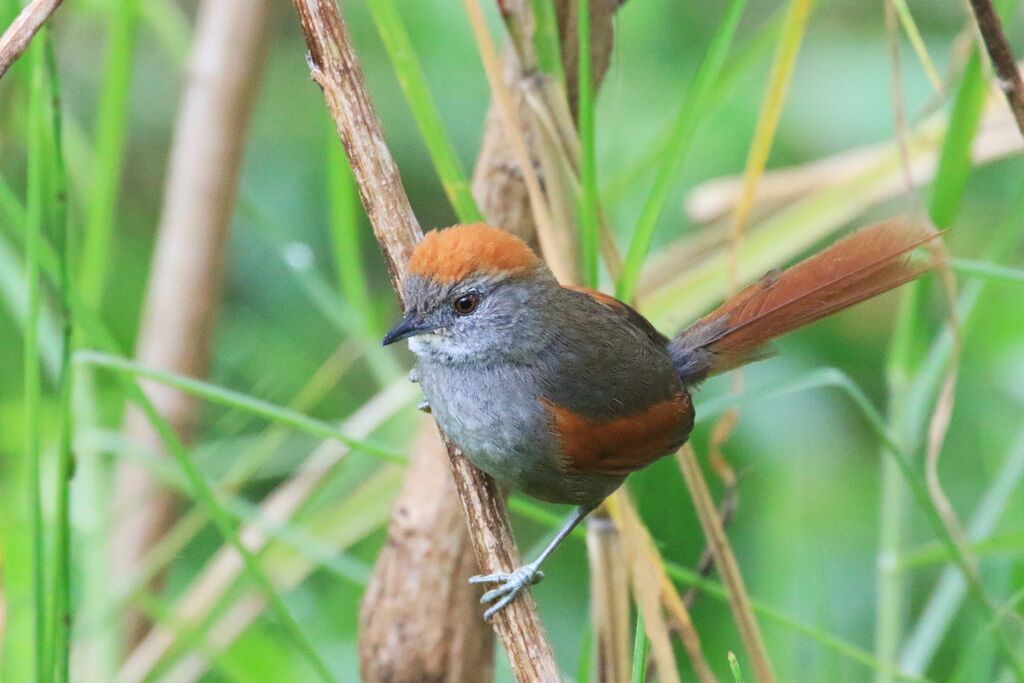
473 292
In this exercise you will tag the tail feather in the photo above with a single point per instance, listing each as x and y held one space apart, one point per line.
864 264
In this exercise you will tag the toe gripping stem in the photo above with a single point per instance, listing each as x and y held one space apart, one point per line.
513 583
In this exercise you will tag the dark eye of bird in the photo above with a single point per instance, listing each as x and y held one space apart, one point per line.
466 304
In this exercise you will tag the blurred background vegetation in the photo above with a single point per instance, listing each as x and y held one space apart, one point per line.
807 529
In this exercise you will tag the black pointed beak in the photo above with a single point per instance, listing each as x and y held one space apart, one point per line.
409 326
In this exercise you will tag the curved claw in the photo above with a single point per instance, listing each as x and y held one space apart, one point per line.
512 584
489 578
498 606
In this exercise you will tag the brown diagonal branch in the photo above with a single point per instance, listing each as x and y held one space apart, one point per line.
18 35
1002 58
335 68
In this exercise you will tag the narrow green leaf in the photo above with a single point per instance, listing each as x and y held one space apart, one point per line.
693 108
346 224
734 666
428 120
226 525
987 271
641 646
33 400
238 401
60 620
955 159
545 38
111 134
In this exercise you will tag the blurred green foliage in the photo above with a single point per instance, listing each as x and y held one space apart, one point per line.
806 531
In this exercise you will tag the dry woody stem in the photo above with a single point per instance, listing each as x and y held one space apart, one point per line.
726 563
18 35
419 618
1002 58
336 69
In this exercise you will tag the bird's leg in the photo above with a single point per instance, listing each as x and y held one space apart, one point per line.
512 583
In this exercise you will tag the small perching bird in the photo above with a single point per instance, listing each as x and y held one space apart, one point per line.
562 392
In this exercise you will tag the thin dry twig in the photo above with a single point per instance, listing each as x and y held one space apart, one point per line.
419 618
643 557
183 299
609 598
1002 58
18 35
726 511
726 563
554 240
644 575
336 69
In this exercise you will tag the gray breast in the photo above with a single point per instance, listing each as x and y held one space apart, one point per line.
493 414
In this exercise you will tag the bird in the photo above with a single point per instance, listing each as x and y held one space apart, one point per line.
561 391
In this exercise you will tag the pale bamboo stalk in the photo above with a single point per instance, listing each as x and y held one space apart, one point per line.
996 139
336 69
15 40
183 298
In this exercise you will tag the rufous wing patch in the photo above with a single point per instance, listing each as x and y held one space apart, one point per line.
624 444
454 253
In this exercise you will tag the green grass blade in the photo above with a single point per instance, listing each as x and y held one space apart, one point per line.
31 364
932 624
225 524
734 666
695 104
914 36
949 592
428 120
357 310
932 553
641 646
111 133
955 160
948 190
345 215
988 271
744 58
60 619
239 401
545 39
583 664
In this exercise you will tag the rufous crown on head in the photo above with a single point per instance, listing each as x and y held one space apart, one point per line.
453 254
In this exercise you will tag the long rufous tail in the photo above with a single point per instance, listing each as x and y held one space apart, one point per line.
866 263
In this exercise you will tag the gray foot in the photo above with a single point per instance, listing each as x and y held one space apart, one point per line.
511 585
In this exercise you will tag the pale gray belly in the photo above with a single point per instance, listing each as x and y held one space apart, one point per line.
493 414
